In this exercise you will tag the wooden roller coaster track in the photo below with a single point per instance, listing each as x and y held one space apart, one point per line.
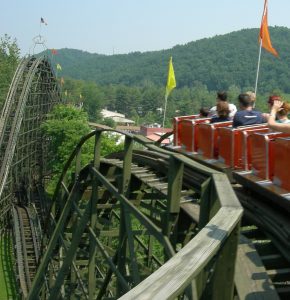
145 223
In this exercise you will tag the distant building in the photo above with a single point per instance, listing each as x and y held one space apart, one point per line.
155 133
148 129
96 125
116 117
152 131
153 125
129 129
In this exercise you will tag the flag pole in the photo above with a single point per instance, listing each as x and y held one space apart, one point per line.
164 114
258 69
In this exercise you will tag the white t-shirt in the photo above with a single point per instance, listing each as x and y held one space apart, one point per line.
232 108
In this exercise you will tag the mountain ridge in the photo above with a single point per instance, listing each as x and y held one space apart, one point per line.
218 62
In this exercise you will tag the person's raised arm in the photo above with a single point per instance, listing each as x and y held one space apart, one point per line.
277 105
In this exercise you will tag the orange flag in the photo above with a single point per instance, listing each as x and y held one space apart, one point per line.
264 32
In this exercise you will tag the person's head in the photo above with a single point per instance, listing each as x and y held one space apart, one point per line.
272 98
284 111
252 95
221 96
245 101
204 112
222 109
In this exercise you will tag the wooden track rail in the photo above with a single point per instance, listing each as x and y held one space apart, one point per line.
139 224
199 266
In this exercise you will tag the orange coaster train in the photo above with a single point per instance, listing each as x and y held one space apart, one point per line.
253 156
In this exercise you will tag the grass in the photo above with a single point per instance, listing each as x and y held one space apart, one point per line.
8 286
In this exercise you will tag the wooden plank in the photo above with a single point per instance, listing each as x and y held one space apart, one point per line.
175 177
192 210
224 270
251 278
38 279
225 191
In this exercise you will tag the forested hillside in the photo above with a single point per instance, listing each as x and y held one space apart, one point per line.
134 84
217 62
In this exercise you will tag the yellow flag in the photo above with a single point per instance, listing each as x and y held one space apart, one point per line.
65 93
58 67
171 83
81 96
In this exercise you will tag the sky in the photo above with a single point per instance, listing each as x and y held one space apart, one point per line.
124 26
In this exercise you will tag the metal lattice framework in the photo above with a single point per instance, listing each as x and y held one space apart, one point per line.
33 92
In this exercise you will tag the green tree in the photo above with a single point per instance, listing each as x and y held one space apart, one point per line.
92 97
233 93
9 58
65 127
109 122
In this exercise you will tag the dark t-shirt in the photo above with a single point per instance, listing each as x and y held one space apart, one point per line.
247 117
219 119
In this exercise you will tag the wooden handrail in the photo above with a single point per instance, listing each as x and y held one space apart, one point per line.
218 236
176 274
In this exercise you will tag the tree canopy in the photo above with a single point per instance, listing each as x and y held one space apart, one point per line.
9 58
65 126
218 62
